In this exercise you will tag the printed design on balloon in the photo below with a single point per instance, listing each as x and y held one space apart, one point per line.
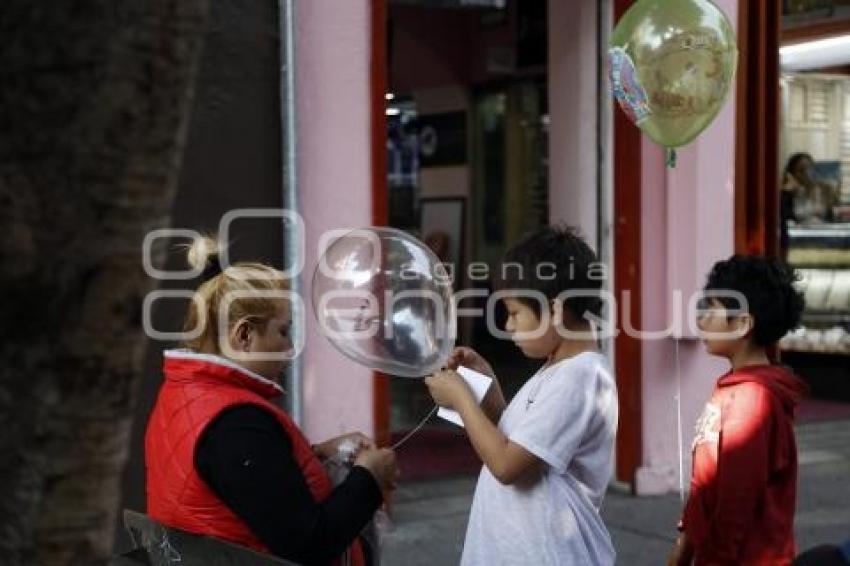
627 89
684 76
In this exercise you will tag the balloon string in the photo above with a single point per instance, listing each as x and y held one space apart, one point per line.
679 439
416 429
671 158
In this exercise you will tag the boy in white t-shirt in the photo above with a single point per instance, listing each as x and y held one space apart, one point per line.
548 455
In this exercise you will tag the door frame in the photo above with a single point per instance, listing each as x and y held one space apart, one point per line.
628 353
378 67
757 129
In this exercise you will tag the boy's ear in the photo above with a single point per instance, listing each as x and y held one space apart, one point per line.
745 325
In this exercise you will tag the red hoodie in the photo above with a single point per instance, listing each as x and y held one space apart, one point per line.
744 482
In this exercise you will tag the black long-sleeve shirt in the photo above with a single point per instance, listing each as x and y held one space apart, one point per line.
245 456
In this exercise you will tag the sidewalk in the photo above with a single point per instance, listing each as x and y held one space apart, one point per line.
429 518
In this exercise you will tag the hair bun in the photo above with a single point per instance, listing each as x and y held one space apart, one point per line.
202 251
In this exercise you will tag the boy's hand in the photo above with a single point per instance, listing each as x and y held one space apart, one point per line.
447 388
467 357
673 555
681 554
494 401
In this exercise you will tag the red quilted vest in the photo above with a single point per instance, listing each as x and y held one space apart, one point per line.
197 388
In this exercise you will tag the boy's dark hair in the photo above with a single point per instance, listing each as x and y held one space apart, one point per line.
566 262
768 285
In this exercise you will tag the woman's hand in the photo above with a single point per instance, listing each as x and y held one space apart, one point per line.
382 464
447 388
352 443
467 357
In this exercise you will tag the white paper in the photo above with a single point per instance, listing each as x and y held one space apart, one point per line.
478 383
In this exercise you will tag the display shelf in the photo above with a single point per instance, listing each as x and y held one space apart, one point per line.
822 253
825 351
826 317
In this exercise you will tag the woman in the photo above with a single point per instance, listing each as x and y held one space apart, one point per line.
223 460
803 198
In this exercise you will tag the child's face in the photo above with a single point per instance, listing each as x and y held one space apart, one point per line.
723 335
522 319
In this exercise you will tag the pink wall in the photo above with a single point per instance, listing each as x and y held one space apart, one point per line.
573 115
687 224
333 97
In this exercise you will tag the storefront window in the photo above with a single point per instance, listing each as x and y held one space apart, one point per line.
815 206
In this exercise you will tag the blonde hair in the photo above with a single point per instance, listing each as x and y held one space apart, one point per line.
245 285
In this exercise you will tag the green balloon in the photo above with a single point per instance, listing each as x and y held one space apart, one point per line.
671 64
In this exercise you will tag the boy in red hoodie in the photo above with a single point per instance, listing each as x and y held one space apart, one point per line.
744 482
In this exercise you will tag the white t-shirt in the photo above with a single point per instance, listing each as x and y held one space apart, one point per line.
566 415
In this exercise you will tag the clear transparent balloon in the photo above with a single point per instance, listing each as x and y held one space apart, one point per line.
382 298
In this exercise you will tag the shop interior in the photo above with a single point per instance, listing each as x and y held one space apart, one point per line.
467 142
815 195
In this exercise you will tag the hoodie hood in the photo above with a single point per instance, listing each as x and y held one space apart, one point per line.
785 386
